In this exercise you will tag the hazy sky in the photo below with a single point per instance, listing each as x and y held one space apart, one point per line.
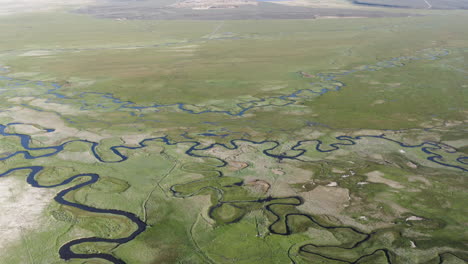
17 6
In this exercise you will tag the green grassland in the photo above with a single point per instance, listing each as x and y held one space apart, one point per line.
373 201
180 230
195 64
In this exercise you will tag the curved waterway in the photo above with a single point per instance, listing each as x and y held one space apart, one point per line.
66 252
322 84
327 82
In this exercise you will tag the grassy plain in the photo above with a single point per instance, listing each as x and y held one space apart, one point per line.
195 62
409 205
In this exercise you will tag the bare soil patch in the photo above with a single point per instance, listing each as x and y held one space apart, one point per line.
377 177
208 4
22 208
325 200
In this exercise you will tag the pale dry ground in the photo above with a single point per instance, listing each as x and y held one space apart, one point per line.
378 102
85 157
460 143
49 120
377 177
9 7
37 53
33 119
317 3
60 108
332 201
22 210
25 129
335 170
34 123
279 176
207 4
325 200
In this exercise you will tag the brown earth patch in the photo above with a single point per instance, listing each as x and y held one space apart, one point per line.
258 186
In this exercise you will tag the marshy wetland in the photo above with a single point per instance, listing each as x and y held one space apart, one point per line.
291 131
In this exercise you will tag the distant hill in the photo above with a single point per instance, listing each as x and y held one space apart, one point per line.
221 10
420 4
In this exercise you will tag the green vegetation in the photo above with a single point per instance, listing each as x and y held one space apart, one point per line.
266 141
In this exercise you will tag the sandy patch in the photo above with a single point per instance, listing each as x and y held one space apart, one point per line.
316 3
411 165
378 102
25 129
414 218
377 177
336 17
335 170
258 186
277 171
22 209
35 53
237 165
49 120
209 4
325 200
20 100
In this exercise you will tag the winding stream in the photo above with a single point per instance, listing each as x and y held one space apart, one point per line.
324 83
66 252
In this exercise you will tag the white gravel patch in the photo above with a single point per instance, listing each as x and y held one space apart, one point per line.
22 209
